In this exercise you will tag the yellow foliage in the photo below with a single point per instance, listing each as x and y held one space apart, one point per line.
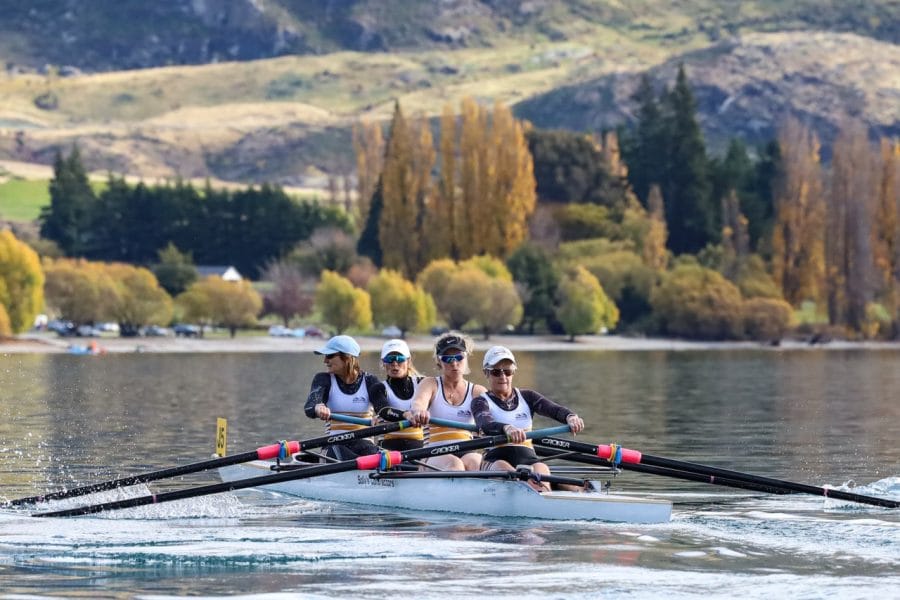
232 304
5 328
21 282
341 304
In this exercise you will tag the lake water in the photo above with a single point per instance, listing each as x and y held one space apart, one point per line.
819 417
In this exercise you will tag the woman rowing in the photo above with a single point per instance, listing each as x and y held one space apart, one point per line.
507 410
343 388
396 394
448 396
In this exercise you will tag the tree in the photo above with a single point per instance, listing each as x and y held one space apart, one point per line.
231 304
328 248
583 306
537 279
690 215
369 146
767 319
138 299
654 250
851 200
735 239
645 149
68 217
5 327
21 282
502 308
798 250
341 305
696 302
292 292
368 243
175 270
886 233
78 290
396 301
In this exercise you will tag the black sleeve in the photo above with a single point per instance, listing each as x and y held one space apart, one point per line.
377 395
481 412
540 405
318 393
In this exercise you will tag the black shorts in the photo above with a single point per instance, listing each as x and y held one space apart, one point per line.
514 455
401 444
351 449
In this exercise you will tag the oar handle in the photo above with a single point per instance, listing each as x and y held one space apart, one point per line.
454 424
350 419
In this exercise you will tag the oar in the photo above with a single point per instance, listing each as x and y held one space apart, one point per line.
263 453
436 421
622 456
370 461
596 460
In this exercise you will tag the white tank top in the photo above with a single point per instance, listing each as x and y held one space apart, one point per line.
520 416
441 409
354 405
413 433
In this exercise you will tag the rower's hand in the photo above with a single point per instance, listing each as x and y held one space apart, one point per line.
575 423
323 412
514 434
419 417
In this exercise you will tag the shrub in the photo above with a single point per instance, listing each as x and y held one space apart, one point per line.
696 302
767 318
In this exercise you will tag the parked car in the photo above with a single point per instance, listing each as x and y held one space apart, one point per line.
88 331
279 331
186 330
155 331
391 331
62 328
314 332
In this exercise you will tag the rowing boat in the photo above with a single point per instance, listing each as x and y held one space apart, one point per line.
466 495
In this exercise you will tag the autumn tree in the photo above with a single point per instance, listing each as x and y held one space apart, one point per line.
654 249
406 191
696 302
341 305
886 231
396 301
582 305
213 300
21 282
735 239
78 290
798 250
852 193
292 291
138 299
368 143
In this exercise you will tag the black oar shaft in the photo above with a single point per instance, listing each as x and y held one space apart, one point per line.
206 465
663 472
716 472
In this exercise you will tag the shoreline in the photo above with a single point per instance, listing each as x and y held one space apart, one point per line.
44 343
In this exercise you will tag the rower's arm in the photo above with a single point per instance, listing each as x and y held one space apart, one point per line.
318 394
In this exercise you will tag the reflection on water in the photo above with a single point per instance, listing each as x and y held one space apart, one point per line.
812 416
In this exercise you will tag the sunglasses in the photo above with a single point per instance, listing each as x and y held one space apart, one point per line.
330 356
452 358
393 358
499 372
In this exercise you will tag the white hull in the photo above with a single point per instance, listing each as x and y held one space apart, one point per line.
493 497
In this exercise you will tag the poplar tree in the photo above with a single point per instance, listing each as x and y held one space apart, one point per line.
886 232
654 251
21 282
848 249
397 234
368 143
798 250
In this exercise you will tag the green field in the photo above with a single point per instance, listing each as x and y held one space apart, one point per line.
22 199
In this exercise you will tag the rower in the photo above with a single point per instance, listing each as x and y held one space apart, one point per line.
448 396
396 394
504 409
343 388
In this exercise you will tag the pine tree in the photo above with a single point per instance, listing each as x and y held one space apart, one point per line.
67 219
689 212
645 148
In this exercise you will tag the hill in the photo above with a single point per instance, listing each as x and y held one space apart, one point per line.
268 90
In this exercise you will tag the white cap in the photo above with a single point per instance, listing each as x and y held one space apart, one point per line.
340 343
395 346
496 354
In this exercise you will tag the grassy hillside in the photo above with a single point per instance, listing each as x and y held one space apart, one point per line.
288 118
22 199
